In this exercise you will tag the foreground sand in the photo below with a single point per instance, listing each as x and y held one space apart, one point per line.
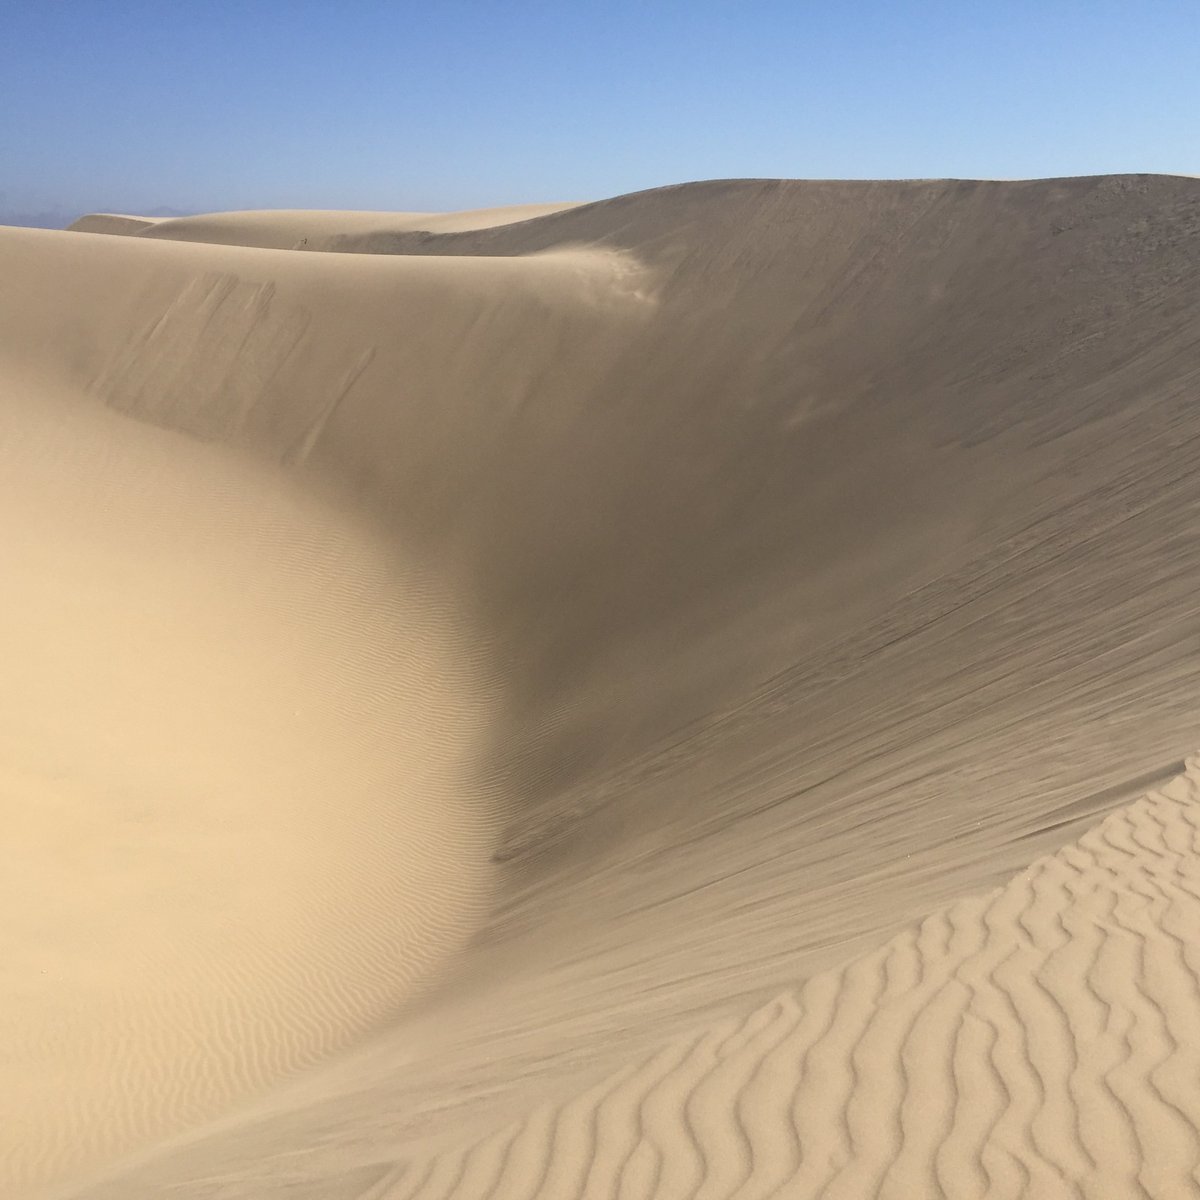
558 635
295 229
1039 1040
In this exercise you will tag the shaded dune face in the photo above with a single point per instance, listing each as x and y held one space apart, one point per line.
829 543
238 783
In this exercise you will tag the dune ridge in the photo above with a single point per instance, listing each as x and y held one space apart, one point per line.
114 223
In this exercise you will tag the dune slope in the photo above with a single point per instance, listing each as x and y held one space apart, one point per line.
827 544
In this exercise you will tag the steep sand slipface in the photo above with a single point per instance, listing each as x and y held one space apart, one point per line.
831 542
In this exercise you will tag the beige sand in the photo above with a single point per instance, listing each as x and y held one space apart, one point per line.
734 575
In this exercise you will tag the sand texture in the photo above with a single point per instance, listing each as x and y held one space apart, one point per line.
563 701
1035 1041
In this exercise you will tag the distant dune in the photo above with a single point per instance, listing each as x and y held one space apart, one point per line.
1029 1041
118 223
294 229
563 701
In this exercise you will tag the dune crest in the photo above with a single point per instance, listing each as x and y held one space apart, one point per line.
237 778
296 228
115 223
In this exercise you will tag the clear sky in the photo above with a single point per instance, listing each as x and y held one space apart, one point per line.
138 105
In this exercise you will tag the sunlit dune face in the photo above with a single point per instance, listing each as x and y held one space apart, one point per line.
239 816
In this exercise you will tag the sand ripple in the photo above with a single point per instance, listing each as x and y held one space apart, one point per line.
1037 1041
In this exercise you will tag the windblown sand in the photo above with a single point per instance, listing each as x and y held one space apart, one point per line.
682 696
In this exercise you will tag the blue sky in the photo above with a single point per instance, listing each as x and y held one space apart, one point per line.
136 105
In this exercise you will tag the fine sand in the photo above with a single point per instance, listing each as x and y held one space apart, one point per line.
563 701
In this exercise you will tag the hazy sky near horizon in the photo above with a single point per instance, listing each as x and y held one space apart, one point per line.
133 105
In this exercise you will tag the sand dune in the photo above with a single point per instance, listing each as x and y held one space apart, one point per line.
770 564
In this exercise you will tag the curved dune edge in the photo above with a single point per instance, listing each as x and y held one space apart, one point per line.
1038 1040
287 229
243 818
